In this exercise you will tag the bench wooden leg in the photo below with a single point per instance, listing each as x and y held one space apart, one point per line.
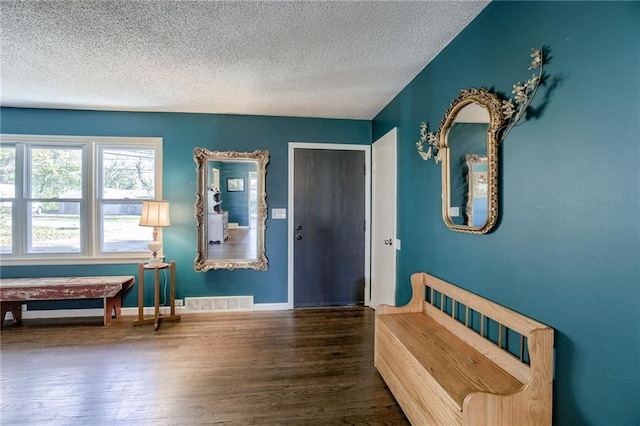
112 307
16 310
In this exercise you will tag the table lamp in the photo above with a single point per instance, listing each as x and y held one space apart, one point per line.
155 213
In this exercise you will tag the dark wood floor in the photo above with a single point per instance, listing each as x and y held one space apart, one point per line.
301 367
241 244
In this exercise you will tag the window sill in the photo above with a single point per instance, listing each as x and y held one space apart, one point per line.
69 260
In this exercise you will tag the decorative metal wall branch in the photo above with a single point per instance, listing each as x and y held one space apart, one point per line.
430 144
514 109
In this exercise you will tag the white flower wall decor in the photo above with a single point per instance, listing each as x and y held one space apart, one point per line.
513 110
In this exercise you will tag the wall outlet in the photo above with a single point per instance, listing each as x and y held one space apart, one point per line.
179 302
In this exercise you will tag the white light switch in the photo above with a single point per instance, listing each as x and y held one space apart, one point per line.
278 213
454 211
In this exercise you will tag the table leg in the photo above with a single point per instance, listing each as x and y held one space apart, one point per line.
157 299
140 292
173 289
141 319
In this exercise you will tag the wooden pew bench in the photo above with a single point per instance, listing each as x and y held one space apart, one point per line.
451 357
15 291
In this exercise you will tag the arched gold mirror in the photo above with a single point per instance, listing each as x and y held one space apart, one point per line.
469 153
467 145
230 209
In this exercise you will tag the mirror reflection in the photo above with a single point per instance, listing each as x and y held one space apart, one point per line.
468 178
230 209
469 138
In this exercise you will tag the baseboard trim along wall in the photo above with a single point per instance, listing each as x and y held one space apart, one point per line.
271 307
148 310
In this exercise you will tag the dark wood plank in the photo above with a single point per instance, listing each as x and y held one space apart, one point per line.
241 244
312 366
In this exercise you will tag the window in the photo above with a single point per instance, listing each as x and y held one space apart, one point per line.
76 199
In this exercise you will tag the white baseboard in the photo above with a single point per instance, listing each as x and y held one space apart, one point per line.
133 311
271 307
63 313
148 310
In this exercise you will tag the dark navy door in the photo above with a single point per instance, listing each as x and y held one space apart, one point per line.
329 221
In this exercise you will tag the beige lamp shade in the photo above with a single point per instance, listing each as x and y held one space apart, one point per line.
155 213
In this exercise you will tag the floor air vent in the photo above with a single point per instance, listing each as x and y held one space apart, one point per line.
219 304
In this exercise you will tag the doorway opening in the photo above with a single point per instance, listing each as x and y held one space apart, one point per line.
327 222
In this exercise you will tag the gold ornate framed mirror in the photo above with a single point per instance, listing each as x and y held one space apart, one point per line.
467 145
469 153
230 209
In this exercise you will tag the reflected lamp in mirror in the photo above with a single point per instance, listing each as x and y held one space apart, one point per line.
155 213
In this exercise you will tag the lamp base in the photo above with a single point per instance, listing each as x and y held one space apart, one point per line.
155 246
154 261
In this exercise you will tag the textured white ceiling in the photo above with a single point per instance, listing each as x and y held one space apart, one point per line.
330 59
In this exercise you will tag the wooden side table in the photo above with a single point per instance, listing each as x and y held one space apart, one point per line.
157 318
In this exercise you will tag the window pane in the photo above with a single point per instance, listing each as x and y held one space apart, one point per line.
7 172
120 229
56 173
7 193
6 226
127 173
54 231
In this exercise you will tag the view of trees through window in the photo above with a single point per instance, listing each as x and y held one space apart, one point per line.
65 194
7 190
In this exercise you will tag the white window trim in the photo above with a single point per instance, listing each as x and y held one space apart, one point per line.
94 256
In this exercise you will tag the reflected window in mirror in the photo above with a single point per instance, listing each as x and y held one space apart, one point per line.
467 139
478 191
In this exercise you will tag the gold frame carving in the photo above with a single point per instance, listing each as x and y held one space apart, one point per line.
493 105
202 156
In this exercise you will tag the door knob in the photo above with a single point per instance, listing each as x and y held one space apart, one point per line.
388 242
298 237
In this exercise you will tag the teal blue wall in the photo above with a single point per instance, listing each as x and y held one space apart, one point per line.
181 133
567 248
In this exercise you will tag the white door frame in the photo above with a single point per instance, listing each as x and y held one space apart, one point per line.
367 215
391 137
